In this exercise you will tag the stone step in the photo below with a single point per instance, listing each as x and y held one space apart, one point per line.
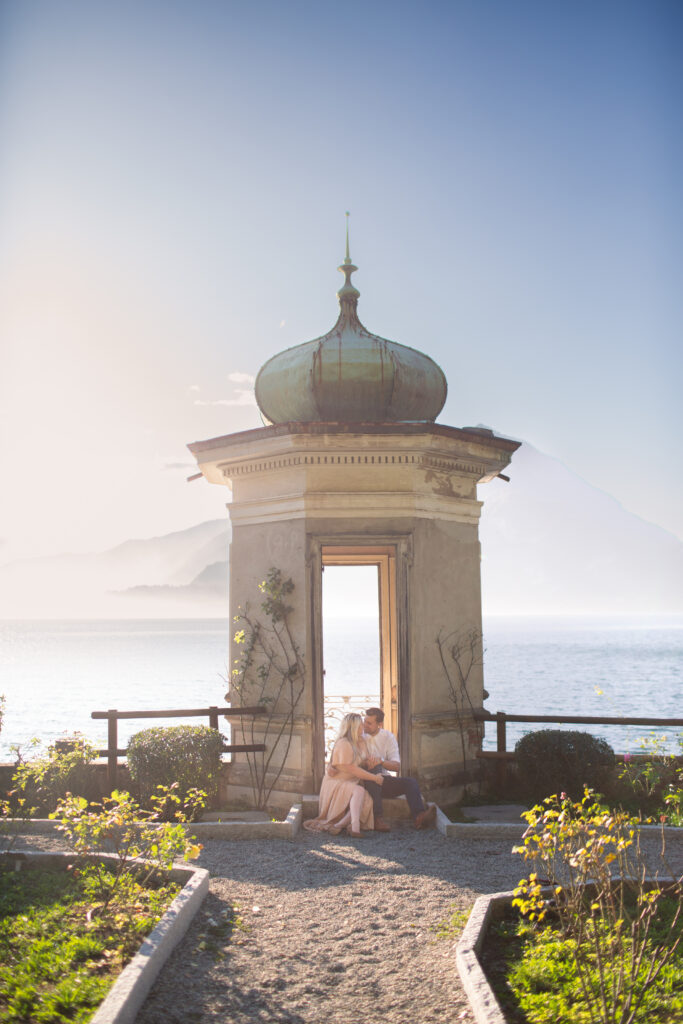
395 809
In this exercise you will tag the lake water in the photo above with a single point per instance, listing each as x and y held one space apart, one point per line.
53 674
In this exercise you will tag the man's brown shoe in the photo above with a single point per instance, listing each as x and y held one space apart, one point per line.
426 819
381 825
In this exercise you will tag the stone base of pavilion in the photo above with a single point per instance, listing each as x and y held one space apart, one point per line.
394 810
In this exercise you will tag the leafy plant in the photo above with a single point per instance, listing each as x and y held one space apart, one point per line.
269 672
65 768
185 756
613 920
14 815
673 801
652 779
555 760
119 826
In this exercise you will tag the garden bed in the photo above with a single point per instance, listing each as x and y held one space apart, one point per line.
506 973
63 958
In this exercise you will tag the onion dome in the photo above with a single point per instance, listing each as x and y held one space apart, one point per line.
350 375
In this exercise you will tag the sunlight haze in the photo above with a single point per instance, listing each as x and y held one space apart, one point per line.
174 181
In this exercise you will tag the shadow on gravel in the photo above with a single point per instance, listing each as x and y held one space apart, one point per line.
197 982
320 861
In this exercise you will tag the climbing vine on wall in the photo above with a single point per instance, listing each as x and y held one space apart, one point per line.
461 652
270 672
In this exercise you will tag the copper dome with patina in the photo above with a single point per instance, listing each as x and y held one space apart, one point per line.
350 375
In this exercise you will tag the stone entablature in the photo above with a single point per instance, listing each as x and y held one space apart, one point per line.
433 449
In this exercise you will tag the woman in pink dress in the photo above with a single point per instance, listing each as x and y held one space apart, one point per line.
343 802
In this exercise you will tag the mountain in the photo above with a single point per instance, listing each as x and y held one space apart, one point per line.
551 544
157 576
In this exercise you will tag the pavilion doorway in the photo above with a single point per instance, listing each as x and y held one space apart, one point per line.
359 634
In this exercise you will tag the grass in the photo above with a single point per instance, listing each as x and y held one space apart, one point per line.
533 973
59 954
452 927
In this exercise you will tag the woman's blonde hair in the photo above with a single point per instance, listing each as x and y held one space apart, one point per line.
351 729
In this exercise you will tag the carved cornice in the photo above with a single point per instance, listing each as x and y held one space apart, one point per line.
371 461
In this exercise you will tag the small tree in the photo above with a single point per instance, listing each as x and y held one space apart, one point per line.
461 652
142 846
270 672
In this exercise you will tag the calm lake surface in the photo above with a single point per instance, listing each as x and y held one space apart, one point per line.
54 673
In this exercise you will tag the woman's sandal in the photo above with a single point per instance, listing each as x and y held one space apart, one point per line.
334 831
354 835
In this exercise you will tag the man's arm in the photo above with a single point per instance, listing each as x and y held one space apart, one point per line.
381 762
392 761
390 757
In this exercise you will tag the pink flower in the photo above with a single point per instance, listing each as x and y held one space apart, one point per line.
628 757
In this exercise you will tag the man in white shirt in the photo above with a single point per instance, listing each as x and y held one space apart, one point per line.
385 758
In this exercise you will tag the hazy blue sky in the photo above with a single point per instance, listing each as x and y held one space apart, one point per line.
173 181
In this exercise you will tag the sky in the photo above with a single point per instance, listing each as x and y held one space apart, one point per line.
173 183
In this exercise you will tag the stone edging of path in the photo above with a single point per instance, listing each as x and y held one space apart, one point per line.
485 1006
488 827
129 991
291 826
510 830
202 830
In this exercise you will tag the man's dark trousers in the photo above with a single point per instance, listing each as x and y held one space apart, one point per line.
396 785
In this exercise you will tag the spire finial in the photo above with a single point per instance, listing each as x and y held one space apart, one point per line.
347 258
347 294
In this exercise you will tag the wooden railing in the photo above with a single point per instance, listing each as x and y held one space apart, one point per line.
502 756
212 713
501 718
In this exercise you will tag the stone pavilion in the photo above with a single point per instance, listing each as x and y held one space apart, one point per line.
352 469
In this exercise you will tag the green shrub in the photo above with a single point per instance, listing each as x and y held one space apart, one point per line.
43 781
188 756
553 761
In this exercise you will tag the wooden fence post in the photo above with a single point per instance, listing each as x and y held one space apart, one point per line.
500 731
213 717
112 748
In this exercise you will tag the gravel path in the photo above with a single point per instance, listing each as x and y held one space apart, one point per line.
327 930
331 929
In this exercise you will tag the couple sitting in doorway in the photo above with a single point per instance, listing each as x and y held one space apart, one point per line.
358 777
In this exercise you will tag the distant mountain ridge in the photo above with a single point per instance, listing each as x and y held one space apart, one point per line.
551 544
554 544
157 576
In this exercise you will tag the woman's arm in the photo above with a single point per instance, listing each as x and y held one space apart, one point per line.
359 773
342 764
